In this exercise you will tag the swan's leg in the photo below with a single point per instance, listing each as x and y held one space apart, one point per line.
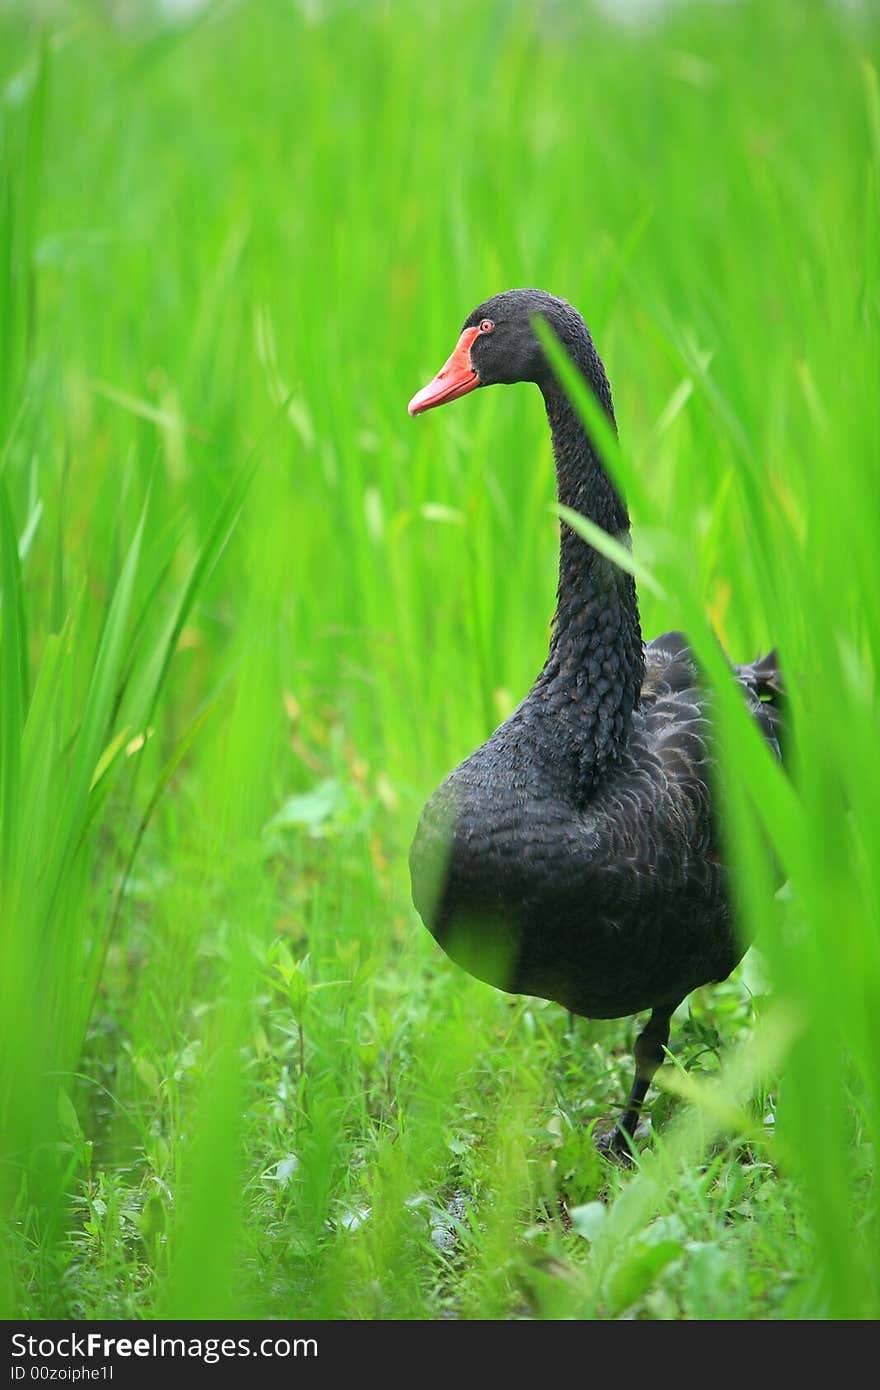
649 1056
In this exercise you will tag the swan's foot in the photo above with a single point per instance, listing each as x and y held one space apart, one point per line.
617 1144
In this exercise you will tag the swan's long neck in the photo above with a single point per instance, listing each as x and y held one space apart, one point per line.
595 666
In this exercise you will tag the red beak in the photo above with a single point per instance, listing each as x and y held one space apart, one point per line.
455 378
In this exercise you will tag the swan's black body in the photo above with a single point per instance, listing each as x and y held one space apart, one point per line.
575 855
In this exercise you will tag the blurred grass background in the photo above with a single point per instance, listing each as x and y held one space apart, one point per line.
251 614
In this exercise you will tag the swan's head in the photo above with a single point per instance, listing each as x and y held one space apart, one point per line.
498 344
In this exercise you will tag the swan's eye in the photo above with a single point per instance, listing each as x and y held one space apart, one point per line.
486 326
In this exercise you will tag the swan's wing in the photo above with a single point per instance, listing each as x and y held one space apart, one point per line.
764 685
666 785
653 820
671 673
670 668
678 746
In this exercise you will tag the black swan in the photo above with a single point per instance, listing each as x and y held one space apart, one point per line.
574 856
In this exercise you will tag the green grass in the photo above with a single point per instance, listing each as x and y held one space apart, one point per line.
251 614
